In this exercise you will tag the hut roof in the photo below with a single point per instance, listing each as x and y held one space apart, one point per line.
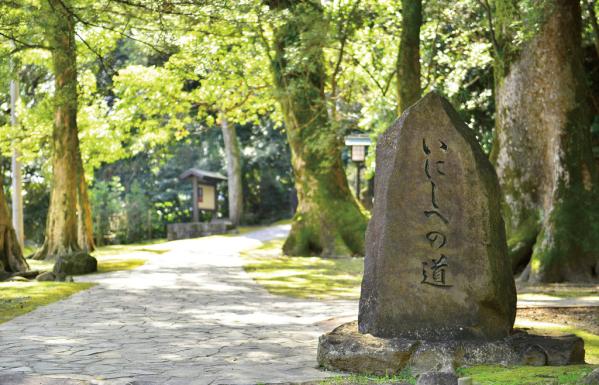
203 175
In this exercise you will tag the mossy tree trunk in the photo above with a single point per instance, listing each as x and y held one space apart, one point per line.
408 60
11 254
542 146
329 220
69 227
235 188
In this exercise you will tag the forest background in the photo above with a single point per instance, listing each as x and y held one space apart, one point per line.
163 86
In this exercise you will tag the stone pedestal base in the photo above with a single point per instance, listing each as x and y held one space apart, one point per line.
347 350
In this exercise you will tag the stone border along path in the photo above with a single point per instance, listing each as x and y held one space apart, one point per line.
189 316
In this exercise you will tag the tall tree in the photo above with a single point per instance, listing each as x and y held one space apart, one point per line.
327 214
17 179
408 60
542 146
11 255
234 186
68 227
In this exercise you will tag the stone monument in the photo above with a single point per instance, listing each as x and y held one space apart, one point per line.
435 247
438 289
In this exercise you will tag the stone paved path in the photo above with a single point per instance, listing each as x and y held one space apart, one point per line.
189 316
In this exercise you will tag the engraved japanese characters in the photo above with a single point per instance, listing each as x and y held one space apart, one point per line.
436 266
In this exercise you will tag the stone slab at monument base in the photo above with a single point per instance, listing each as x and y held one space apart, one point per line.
346 349
176 231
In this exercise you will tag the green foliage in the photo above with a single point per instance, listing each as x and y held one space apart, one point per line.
266 172
139 214
155 78
154 196
105 198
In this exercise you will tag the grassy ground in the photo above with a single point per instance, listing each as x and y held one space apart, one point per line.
367 380
484 375
105 265
318 278
528 375
304 277
22 297
116 257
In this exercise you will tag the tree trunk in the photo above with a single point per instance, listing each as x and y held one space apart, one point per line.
233 170
408 60
329 220
68 228
542 148
85 225
11 255
594 24
17 179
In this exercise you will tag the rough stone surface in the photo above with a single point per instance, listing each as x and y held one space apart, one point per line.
437 378
592 378
436 264
189 316
345 348
197 229
74 264
20 379
365 353
559 350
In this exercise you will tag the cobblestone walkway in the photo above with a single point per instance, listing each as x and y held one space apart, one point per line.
191 315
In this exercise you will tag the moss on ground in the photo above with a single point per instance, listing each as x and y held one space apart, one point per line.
368 380
527 375
105 264
109 265
17 298
115 257
304 277
309 277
